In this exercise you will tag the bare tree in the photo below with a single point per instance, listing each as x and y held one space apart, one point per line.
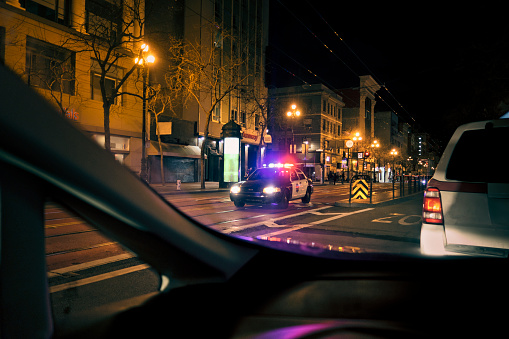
260 104
161 100
112 34
205 75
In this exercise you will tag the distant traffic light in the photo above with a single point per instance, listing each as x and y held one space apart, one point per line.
366 154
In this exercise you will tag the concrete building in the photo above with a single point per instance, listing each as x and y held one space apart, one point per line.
358 114
223 31
319 126
393 134
44 42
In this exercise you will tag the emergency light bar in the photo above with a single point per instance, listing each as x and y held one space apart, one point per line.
278 165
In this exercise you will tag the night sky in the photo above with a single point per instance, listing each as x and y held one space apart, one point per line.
443 65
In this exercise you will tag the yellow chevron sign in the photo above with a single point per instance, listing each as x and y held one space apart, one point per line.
360 189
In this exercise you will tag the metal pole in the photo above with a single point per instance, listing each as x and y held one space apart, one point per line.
371 192
143 174
350 194
393 179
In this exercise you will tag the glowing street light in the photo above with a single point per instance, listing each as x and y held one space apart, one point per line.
293 113
143 62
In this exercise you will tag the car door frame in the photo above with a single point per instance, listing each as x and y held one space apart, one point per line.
303 181
298 185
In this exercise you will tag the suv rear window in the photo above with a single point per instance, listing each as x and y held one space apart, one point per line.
480 156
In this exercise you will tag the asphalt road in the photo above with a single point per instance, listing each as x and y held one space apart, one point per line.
394 228
88 270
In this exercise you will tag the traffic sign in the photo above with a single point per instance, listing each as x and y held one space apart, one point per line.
360 189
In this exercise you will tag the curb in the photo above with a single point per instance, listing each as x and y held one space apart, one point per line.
398 200
193 191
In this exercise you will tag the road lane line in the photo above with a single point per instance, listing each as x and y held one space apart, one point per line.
97 278
318 222
90 264
70 223
231 229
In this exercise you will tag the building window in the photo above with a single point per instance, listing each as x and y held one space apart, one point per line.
325 105
55 10
216 115
103 19
243 118
50 67
111 81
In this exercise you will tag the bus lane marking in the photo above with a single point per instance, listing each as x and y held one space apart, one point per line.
400 218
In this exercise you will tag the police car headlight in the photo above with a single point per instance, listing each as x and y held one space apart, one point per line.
235 189
271 189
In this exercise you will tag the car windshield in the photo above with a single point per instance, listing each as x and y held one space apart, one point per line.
270 174
361 102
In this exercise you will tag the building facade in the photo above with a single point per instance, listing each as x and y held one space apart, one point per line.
393 134
358 114
231 37
47 43
316 132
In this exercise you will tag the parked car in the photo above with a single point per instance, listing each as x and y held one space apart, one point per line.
466 202
273 183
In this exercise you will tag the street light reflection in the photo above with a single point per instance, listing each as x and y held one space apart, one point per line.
313 247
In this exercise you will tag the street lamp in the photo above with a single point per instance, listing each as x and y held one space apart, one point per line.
305 146
357 138
375 145
143 61
394 153
293 113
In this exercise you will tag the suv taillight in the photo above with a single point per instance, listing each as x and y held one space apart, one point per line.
432 207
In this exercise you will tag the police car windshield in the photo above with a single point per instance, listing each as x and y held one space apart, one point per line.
270 173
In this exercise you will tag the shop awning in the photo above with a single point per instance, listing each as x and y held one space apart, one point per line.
174 150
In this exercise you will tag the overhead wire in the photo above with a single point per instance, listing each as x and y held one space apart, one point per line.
362 62
383 86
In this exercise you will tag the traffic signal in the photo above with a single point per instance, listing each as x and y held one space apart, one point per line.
366 154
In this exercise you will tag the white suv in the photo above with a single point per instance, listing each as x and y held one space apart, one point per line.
466 203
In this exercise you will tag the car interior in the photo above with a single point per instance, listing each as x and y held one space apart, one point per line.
219 286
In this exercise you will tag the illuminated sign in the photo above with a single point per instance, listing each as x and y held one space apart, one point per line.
231 159
250 136
72 114
349 143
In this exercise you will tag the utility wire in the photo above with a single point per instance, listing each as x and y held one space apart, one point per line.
351 50
361 61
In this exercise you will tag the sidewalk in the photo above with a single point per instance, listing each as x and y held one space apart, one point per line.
188 187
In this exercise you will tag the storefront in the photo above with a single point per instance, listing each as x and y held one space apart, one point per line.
180 162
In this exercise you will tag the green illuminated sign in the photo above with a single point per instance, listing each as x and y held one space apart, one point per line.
231 159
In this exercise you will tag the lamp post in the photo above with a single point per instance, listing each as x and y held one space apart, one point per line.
305 145
394 153
374 146
357 138
143 61
293 113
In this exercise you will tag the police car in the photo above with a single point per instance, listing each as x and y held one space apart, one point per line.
273 183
